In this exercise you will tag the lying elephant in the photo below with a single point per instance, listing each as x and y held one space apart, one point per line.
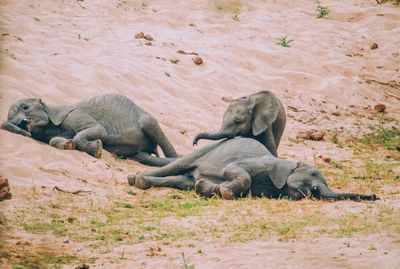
235 167
260 116
111 121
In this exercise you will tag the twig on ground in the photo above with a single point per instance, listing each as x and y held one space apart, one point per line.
78 192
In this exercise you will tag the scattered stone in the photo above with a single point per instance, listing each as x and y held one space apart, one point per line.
167 74
374 46
66 241
326 158
336 113
71 219
380 108
174 60
227 99
4 189
148 43
148 37
311 135
197 60
82 266
139 35
181 52
153 251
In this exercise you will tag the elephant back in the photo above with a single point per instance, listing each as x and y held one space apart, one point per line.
115 112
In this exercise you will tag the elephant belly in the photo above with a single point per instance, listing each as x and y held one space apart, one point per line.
128 143
122 150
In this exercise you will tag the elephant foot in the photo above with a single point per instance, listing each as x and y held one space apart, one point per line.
98 149
68 145
225 193
131 180
139 182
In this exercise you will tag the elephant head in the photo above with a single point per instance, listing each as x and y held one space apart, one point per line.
299 180
246 116
31 116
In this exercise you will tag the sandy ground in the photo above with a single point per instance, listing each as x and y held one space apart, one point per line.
65 51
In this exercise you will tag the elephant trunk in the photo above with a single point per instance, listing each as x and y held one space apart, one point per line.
323 192
11 127
211 136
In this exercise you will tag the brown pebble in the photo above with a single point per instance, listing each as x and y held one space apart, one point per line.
174 60
181 52
317 135
380 108
197 60
167 74
311 135
336 113
148 37
139 35
374 46
148 43
4 189
326 159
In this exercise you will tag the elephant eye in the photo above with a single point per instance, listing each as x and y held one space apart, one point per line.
25 107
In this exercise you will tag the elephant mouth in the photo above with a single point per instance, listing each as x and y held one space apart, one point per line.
23 124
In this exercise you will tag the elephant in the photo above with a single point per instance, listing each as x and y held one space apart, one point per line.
260 116
111 121
234 168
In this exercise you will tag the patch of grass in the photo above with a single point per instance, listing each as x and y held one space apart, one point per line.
130 192
192 25
335 140
320 10
284 41
383 137
335 164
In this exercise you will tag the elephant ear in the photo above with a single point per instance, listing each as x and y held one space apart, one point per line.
280 172
57 114
265 111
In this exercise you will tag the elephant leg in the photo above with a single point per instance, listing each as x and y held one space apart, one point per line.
269 141
175 168
206 187
148 159
181 182
62 143
238 184
89 140
153 130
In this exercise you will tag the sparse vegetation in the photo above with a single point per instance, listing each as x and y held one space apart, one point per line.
185 263
383 137
321 11
284 41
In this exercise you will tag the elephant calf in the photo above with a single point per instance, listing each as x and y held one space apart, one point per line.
260 116
235 167
111 121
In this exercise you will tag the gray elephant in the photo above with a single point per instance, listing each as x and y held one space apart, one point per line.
111 121
235 167
260 116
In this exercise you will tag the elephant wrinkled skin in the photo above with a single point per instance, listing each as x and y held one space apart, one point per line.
235 167
260 116
111 121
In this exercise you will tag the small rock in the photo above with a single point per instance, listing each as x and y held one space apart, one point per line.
311 135
181 52
317 135
380 108
139 35
71 219
148 37
336 113
197 60
66 241
326 158
4 189
82 266
148 43
174 60
167 74
374 46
